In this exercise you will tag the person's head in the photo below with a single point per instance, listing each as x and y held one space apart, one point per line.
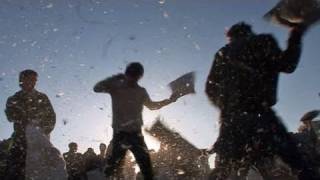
103 147
308 117
134 71
239 30
28 79
73 147
90 150
307 122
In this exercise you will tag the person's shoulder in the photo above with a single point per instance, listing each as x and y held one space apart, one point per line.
220 54
41 95
117 77
15 96
222 50
268 35
79 154
18 93
141 88
116 80
264 37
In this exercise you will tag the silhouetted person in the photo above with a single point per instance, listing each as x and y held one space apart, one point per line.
75 163
307 127
102 154
128 99
91 159
27 106
103 150
243 84
307 138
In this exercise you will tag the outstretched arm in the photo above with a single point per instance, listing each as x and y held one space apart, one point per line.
155 105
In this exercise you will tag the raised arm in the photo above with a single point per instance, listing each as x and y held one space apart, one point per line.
102 86
291 55
287 60
106 85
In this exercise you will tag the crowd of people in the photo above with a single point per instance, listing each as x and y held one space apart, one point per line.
78 164
83 165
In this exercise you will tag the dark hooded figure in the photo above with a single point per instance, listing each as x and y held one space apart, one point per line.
243 84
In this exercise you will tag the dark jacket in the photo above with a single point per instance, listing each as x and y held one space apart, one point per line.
75 163
34 107
245 73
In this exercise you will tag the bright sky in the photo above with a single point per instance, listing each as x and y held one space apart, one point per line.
75 43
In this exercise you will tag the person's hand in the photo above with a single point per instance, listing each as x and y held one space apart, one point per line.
299 28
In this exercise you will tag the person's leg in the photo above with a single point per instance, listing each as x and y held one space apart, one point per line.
119 171
222 170
241 173
76 177
290 155
118 152
264 167
228 148
141 154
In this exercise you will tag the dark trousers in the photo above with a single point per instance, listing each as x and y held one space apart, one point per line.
78 177
247 137
16 162
235 170
123 141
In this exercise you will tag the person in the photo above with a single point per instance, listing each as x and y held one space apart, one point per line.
75 163
307 138
26 107
96 163
128 99
91 160
102 154
242 83
307 130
